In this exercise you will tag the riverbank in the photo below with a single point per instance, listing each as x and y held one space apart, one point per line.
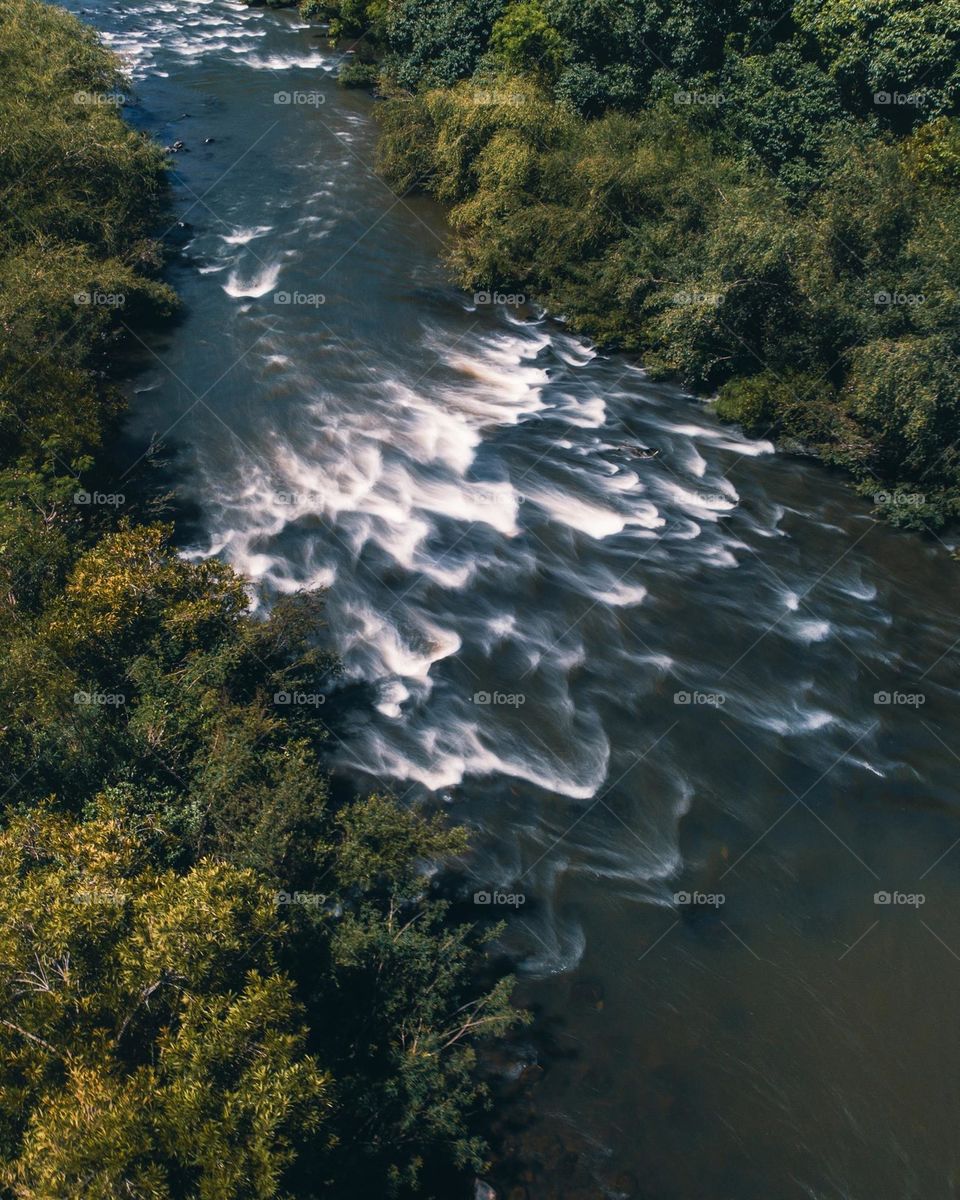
751 210
218 974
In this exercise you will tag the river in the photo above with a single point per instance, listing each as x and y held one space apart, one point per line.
699 708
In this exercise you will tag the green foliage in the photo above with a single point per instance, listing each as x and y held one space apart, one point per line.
906 392
434 42
87 193
406 1068
203 773
524 40
782 112
358 74
889 47
617 51
147 1038
794 405
131 587
932 155
750 402
380 842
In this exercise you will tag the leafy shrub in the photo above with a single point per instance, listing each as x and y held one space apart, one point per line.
435 42
358 74
524 40
782 112
882 48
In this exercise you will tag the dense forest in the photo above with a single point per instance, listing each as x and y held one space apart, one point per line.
218 978
761 200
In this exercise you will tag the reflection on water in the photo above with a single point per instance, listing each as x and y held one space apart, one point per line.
698 706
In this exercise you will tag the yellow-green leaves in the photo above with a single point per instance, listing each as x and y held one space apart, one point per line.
146 1031
132 581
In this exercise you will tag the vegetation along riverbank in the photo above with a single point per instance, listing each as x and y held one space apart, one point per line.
762 202
217 978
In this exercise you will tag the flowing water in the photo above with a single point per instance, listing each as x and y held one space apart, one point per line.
653 686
